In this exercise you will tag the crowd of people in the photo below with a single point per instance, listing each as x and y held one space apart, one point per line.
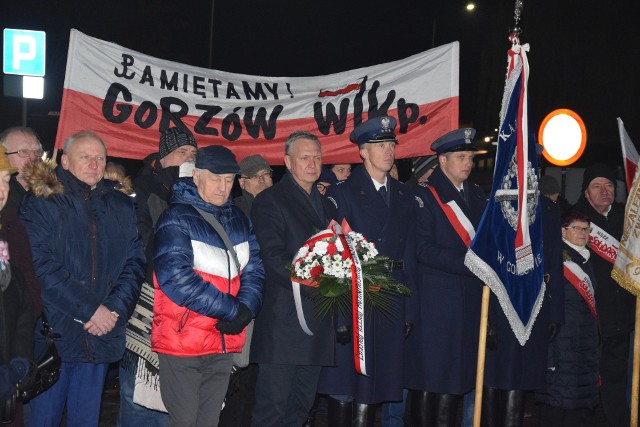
184 283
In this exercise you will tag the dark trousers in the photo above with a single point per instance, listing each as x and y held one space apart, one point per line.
613 371
284 394
553 416
241 397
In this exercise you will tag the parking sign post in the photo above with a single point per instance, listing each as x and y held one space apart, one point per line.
24 57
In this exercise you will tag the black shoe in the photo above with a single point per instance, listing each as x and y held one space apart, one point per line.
339 413
363 415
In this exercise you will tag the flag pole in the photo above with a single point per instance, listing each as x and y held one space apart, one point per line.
482 347
636 367
486 292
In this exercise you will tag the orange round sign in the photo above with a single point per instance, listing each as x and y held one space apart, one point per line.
564 137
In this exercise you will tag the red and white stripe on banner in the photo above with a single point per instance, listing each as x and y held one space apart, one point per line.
126 97
603 243
459 221
524 254
630 155
581 281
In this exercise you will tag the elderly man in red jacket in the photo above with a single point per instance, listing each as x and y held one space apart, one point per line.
208 284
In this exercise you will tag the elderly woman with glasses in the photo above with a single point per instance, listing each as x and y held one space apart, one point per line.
572 377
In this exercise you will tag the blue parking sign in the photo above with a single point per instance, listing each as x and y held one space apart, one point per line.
24 52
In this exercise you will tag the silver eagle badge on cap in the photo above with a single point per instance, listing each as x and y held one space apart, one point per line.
385 122
467 136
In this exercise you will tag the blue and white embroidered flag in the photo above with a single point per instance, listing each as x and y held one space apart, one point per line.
506 252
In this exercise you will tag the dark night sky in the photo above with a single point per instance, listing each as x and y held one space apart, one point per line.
582 58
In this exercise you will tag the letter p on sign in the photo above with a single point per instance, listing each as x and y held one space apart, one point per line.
24 52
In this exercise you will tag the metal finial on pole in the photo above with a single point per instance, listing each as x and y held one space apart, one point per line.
516 30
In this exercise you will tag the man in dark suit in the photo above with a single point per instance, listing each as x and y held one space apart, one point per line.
381 208
614 304
284 217
441 358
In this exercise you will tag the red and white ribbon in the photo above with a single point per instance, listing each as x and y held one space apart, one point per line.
295 285
603 243
357 292
357 306
581 281
459 221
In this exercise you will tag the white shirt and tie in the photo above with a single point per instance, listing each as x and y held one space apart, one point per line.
382 189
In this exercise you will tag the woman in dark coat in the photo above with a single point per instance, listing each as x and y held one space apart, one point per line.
16 309
571 389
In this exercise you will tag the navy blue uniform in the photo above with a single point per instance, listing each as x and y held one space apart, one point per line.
442 349
391 228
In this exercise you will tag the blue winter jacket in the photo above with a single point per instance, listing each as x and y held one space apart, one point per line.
86 252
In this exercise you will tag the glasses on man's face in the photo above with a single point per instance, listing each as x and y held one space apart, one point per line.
260 177
27 153
578 229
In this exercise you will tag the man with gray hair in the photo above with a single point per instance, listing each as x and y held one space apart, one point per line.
23 147
284 217
89 259
208 280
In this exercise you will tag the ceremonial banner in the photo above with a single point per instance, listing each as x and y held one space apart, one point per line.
506 252
626 270
127 97
630 156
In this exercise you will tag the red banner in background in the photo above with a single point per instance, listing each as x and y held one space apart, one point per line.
127 97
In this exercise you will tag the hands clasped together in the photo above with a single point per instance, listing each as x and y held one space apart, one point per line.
102 321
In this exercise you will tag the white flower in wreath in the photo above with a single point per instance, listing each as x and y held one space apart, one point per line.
303 251
300 271
320 247
326 261
306 271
